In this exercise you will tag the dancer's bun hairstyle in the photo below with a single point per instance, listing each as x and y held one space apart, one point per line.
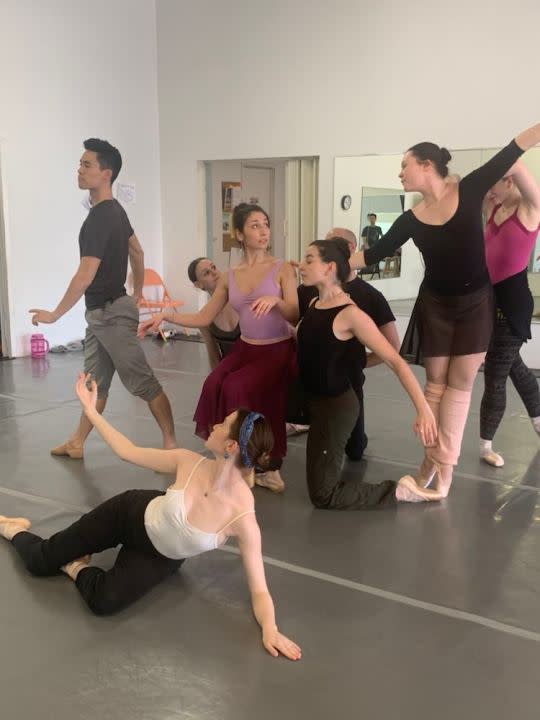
241 213
260 444
438 156
192 268
335 250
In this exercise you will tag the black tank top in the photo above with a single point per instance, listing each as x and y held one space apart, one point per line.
323 360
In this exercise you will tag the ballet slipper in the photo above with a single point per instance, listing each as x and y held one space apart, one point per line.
74 567
75 452
10 526
270 480
293 429
492 458
408 491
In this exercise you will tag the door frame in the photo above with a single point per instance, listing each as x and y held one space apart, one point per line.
5 288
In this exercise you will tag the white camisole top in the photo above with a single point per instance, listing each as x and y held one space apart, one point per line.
167 526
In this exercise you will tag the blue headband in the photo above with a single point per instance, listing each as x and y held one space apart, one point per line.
246 431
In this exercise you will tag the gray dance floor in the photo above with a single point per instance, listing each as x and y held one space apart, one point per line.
419 612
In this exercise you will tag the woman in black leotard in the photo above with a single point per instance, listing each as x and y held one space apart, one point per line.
453 316
222 333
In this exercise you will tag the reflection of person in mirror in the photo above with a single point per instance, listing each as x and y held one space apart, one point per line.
222 333
257 372
332 338
372 233
512 209
374 304
452 321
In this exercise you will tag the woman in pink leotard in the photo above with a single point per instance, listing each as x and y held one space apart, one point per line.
257 372
513 210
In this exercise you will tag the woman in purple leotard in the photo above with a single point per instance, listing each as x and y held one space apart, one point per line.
257 373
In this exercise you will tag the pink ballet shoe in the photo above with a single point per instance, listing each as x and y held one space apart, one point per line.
408 491
443 484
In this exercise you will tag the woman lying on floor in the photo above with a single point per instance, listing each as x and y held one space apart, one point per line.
210 502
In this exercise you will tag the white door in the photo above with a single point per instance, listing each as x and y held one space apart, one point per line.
259 188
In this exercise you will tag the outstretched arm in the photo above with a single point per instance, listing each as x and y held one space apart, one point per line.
397 235
201 319
529 138
389 330
478 182
364 329
529 207
166 461
249 542
80 282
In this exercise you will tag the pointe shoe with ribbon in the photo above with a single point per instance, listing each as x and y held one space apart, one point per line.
407 490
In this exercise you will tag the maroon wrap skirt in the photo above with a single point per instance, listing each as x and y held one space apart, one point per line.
254 377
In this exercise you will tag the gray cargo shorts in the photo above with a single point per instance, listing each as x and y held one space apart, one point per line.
111 344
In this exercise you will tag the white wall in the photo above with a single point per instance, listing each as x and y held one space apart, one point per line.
71 69
239 80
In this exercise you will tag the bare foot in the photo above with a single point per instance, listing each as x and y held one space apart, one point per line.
271 480
10 526
408 491
74 567
69 449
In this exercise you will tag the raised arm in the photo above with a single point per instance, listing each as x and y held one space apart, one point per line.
529 138
476 184
354 321
166 461
249 543
201 319
529 207
396 236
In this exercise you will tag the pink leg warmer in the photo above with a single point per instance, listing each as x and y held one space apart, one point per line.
433 393
453 411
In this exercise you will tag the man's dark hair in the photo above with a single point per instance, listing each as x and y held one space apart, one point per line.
108 156
372 215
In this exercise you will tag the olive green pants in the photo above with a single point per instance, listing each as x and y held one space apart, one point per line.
332 420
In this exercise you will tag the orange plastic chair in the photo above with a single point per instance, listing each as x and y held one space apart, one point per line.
153 279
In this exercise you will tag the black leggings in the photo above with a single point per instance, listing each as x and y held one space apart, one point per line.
332 420
118 521
503 360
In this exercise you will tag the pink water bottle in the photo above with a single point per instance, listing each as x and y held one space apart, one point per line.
39 347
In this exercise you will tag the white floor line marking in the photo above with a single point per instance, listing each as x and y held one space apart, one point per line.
402 599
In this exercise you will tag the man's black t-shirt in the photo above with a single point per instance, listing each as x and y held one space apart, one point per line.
105 235
364 295
372 233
